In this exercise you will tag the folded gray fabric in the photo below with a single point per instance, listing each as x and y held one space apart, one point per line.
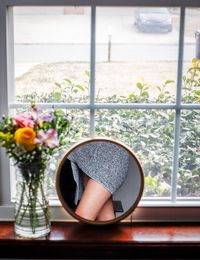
105 162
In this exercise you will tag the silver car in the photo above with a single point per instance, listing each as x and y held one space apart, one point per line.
150 19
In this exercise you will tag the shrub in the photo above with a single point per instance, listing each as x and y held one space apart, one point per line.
150 132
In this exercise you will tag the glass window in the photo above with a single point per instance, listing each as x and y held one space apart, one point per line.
52 53
136 62
188 185
191 79
52 59
130 73
137 52
149 133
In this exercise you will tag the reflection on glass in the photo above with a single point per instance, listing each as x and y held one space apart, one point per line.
189 162
99 180
191 78
137 50
52 53
150 134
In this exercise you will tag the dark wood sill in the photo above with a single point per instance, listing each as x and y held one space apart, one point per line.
120 241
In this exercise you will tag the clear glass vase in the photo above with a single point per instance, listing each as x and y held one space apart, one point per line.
32 214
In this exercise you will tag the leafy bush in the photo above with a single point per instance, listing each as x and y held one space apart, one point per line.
150 132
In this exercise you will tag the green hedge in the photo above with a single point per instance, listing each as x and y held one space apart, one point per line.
150 133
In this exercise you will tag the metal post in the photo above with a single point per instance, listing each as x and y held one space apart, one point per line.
109 47
197 37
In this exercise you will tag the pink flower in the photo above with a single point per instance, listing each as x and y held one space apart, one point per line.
23 121
50 138
40 116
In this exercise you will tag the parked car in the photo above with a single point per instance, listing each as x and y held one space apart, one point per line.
150 19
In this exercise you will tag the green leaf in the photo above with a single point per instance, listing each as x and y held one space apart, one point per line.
146 94
132 95
169 81
195 60
139 85
151 182
57 95
153 136
197 92
87 73
80 87
58 84
161 96
68 80
159 88
186 88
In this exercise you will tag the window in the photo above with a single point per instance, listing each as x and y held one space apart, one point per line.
123 71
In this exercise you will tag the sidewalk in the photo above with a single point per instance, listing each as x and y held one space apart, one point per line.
74 29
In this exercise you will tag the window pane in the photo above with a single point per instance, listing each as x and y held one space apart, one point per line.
137 50
150 134
52 53
191 75
189 165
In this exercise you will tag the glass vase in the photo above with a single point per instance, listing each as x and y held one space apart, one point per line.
32 214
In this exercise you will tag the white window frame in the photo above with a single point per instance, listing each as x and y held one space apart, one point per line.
155 211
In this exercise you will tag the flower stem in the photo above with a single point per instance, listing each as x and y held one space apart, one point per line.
33 200
46 208
20 204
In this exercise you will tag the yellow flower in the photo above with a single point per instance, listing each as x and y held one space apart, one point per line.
26 138
5 137
2 135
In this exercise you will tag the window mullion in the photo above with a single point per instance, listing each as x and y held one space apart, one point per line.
10 55
4 162
92 68
106 106
174 3
178 107
48 2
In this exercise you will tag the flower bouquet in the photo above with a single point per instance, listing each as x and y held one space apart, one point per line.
30 139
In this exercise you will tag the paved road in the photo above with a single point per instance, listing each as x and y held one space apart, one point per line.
51 38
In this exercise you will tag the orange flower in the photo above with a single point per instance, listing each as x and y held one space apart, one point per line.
25 137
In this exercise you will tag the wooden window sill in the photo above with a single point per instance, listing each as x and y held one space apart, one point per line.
73 240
